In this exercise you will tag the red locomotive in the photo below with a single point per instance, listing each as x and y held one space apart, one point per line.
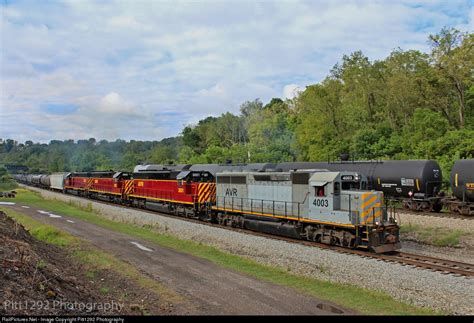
172 189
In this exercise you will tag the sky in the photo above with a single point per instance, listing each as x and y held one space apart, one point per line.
144 69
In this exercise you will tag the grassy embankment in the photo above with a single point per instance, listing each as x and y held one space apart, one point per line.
436 236
7 185
362 300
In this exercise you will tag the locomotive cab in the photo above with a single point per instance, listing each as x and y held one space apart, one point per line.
335 195
341 197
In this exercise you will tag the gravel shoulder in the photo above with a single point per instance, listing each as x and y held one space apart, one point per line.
413 285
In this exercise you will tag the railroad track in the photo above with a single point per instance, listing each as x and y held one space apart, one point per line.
435 264
441 265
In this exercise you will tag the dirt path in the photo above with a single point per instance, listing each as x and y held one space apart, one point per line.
38 278
206 287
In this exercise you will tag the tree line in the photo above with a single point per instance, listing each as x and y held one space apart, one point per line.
410 105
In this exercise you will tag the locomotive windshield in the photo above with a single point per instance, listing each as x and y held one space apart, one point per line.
353 185
353 182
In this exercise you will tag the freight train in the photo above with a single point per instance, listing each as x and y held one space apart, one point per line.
338 203
331 207
416 183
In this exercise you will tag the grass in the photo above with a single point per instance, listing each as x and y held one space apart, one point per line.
90 274
94 259
41 263
436 236
51 235
360 299
104 290
8 185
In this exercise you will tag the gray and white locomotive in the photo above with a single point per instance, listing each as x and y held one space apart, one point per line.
318 205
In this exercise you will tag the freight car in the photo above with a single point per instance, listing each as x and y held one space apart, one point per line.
462 185
45 180
39 180
416 182
57 181
20 178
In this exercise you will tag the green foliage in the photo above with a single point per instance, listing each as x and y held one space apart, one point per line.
6 180
410 105
87 155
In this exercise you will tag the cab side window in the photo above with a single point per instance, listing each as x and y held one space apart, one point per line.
337 188
320 191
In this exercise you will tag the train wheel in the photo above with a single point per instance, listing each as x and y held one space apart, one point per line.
454 208
437 207
464 210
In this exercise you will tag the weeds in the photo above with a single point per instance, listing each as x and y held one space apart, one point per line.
440 237
104 290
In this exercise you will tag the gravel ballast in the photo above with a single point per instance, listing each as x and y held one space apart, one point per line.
463 224
412 285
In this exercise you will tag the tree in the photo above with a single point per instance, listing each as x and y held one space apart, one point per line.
249 108
453 57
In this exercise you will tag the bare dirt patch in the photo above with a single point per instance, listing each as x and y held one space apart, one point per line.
41 279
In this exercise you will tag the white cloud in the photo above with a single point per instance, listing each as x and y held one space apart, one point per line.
291 90
124 60
124 22
113 103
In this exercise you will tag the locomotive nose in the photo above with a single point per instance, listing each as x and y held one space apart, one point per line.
390 238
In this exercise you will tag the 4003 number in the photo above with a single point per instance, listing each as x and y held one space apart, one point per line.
321 202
